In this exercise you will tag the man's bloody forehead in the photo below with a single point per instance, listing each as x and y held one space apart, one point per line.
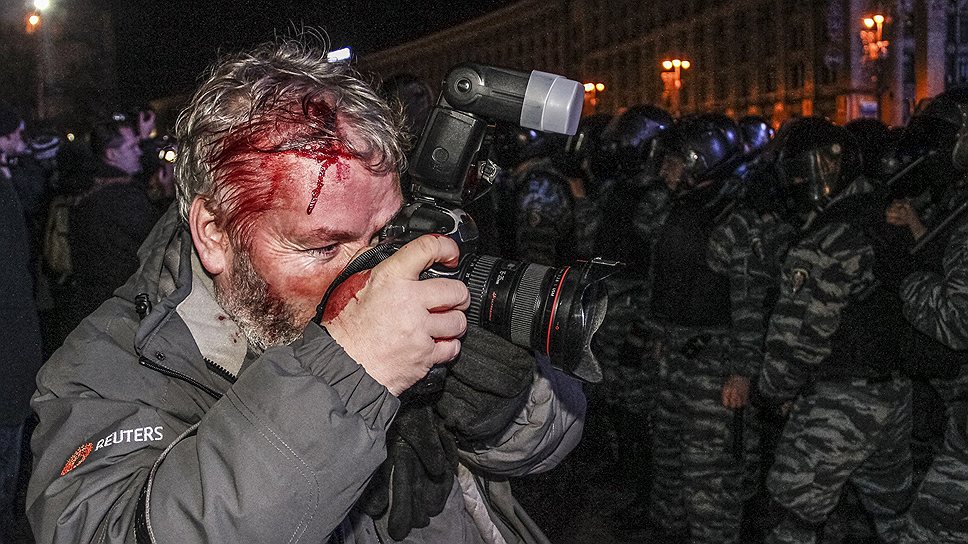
250 173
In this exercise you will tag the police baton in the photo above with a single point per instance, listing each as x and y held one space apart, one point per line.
933 233
737 446
907 169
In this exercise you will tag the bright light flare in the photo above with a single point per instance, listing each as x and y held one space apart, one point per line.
41 4
589 87
868 22
70 136
879 19
686 64
33 20
599 87
667 64
339 55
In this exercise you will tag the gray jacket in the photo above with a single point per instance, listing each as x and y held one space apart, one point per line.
166 428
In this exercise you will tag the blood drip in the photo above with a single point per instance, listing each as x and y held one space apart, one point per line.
343 294
325 156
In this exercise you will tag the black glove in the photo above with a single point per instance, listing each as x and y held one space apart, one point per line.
486 387
418 474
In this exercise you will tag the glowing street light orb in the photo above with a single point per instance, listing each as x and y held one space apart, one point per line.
599 87
676 62
879 19
686 64
33 20
41 4
868 22
589 87
667 64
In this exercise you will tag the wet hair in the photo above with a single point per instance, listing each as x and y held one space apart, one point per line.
280 96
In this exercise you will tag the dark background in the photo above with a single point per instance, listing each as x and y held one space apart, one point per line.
164 46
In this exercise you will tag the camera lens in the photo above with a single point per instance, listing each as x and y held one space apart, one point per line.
555 311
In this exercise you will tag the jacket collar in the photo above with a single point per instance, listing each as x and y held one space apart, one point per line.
182 307
217 336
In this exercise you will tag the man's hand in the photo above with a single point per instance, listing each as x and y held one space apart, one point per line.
736 392
146 124
487 387
903 214
394 324
577 188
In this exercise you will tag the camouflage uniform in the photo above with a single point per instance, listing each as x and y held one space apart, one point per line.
697 487
749 248
552 227
627 391
632 211
938 306
848 423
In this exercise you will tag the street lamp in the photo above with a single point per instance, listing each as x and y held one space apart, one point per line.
35 24
872 36
591 93
875 51
672 78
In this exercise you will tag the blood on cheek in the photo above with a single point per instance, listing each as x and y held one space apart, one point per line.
344 293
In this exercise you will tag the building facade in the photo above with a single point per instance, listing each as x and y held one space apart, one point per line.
777 58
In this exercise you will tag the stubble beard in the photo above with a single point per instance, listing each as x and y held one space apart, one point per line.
264 318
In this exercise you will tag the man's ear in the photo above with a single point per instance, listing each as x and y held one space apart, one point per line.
211 242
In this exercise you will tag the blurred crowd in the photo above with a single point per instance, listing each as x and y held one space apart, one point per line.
75 213
783 352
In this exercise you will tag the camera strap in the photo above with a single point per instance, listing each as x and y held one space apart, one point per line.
364 261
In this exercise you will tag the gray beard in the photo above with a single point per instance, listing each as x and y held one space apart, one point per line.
265 319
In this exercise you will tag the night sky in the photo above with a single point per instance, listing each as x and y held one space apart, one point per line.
163 46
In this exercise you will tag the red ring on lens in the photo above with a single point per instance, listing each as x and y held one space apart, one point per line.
554 309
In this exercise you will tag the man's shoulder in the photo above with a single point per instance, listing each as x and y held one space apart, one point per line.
99 357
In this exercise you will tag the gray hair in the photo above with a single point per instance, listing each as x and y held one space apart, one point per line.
281 96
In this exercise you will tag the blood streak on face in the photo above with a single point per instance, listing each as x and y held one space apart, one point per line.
343 294
325 156
247 155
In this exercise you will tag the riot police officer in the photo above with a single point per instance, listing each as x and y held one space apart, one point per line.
936 303
696 495
829 357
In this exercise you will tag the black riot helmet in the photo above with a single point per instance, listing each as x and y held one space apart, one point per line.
886 160
951 107
815 160
584 144
702 147
932 136
509 144
756 132
627 142
872 137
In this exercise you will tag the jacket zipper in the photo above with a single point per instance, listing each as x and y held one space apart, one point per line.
220 370
179 376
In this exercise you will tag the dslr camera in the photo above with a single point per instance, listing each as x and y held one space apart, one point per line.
554 311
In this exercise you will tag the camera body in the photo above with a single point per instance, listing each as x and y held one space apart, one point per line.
554 311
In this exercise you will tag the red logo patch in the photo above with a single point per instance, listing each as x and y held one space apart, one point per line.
79 456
